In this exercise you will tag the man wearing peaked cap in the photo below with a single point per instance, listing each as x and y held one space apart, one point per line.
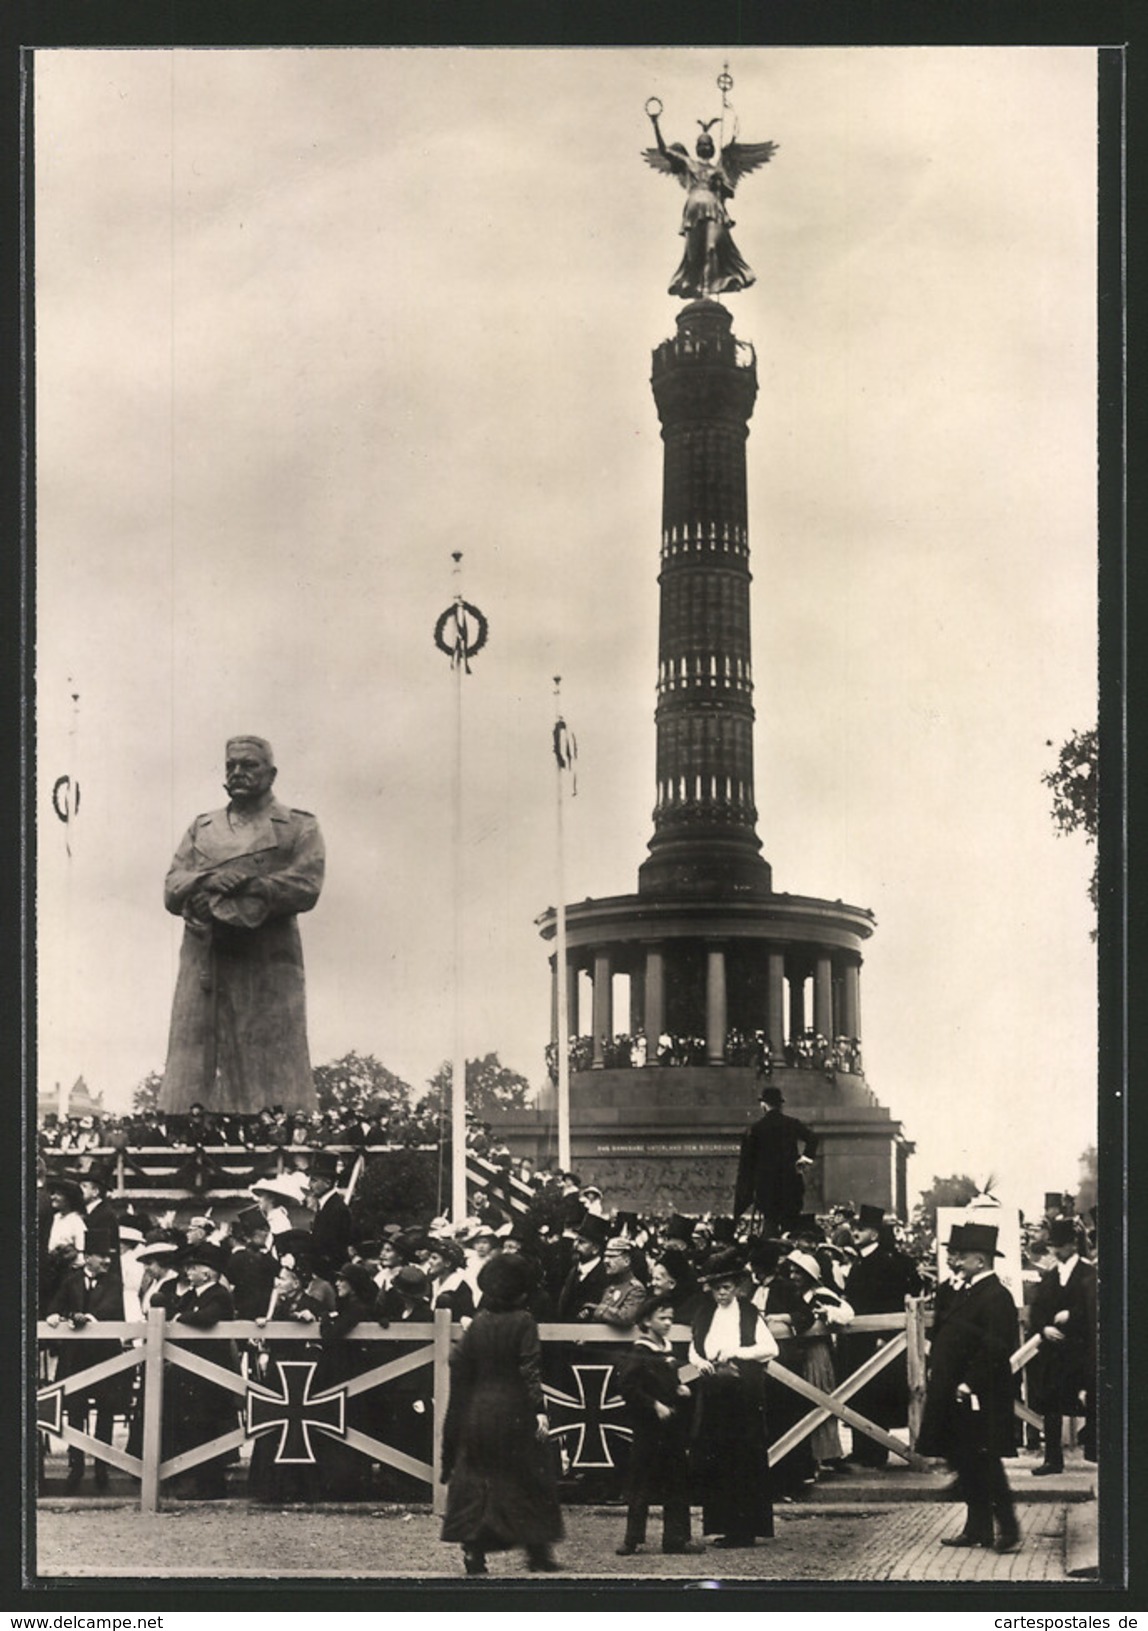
1062 1373
969 1396
624 1293
770 1174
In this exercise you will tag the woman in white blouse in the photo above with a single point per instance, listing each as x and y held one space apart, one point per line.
730 1347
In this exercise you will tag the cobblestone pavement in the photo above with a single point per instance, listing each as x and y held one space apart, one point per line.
212 1542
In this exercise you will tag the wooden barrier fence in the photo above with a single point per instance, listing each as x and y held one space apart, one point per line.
587 1413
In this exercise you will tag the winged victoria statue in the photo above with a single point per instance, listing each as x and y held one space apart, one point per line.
711 263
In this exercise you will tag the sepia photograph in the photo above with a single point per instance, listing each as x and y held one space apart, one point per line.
566 803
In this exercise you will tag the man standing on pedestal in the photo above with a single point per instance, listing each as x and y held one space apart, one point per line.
770 1176
241 875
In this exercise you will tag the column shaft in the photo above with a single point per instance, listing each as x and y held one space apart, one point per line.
603 1005
716 1006
823 997
775 1003
655 1001
851 1018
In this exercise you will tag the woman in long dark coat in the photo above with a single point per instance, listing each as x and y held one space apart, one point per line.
496 1454
730 1449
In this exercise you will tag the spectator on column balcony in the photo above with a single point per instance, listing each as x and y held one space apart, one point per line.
764 1054
638 1050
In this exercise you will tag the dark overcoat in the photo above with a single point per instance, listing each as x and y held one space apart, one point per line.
973 1345
878 1283
195 1408
331 1236
103 1301
729 1449
768 1176
502 1480
658 1465
1060 1371
238 1037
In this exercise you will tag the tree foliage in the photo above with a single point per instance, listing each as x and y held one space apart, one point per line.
956 1190
401 1186
1086 1184
490 1085
360 1085
1075 783
145 1096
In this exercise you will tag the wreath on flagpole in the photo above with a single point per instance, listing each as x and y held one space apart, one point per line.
70 804
470 632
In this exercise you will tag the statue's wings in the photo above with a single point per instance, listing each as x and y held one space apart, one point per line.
673 162
739 158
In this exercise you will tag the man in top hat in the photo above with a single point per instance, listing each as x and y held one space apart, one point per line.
95 1179
770 1175
970 1391
679 1232
1062 1373
239 879
878 1283
561 1254
585 1285
331 1230
87 1296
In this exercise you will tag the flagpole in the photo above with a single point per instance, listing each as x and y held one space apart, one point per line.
71 796
563 1003
458 1067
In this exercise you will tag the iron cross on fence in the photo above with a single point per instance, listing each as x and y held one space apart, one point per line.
588 1414
295 1410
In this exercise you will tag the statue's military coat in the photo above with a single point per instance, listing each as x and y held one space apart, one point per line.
238 1036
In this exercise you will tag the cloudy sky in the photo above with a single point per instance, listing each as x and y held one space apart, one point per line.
309 321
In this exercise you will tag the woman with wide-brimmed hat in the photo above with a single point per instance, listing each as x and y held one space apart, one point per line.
496 1454
730 1346
830 1313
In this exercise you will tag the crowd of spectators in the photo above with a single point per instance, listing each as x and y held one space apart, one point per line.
272 1128
807 1051
588 1262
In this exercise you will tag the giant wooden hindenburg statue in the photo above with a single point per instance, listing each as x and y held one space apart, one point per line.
239 879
